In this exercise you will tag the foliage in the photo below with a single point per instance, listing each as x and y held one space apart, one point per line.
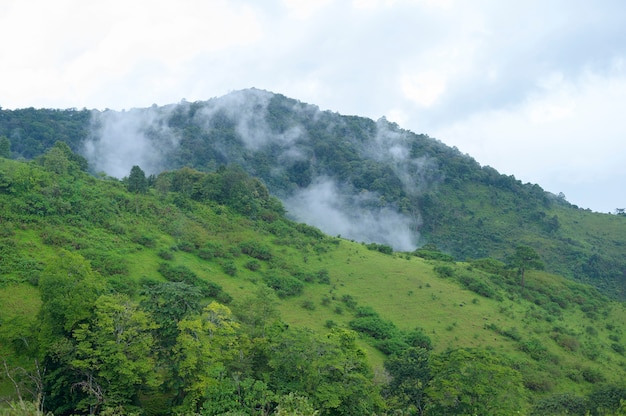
81 260
137 182
474 382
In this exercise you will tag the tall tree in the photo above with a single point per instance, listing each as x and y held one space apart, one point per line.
5 147
410 374
205 343
113 354
525 258
137 182
474 382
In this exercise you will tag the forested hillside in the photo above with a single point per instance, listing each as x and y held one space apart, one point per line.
365 180
190 292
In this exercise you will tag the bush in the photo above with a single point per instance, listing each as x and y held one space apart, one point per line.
478 286
229 268
433 255
349 301
607 398
284 285
373 326
490 265
561 404
256 250
391 346
183 274
166 254
534 348
540 383
364 311
211 250
618 348
385 249
444 271
253 265
417 338
144 240
308 304
323 277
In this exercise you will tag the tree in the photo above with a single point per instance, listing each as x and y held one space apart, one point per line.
331 371
474 382
205 343
525 258
113 354
5 147
68 287
410 374
137 182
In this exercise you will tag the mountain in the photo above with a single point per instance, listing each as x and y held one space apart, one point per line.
361 179
191 292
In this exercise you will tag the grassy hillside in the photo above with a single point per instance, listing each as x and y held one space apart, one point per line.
365 180
222 237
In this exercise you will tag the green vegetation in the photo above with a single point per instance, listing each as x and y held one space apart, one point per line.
467 210
196 295
190 292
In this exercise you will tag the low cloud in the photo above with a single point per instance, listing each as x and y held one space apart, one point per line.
337 212
119 140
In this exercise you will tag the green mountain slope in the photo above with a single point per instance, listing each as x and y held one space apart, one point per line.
362 179
120 297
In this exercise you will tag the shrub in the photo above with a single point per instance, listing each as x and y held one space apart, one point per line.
539 383
166 254
256 249
618 348
373 326
284 285
534 348
364 311
186 246
183 274
478 286
567 342
144 240
433 255
391 346
418 338
323 277
211 250
608 398
592 375
444 271
349 301
561 404
308 304
229 268
253 265
490 265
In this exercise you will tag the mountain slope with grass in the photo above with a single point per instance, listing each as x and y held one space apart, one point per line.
191 292
364 180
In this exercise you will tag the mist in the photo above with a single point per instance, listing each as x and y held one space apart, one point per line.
145 137
120 140
355 217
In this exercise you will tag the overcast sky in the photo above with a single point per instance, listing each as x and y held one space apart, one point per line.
536 89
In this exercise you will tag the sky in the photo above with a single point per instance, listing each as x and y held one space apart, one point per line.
535 89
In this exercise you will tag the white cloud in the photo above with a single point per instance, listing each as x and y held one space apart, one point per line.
491 72
304 9
565 137
423 88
